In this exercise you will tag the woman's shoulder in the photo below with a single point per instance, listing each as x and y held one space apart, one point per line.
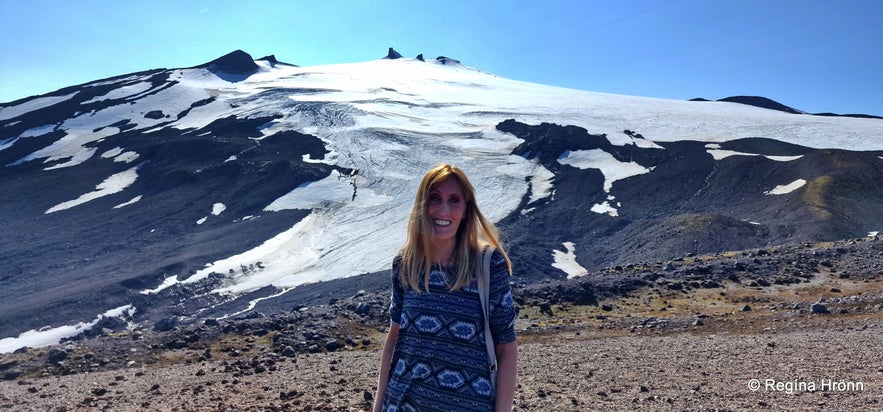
498 260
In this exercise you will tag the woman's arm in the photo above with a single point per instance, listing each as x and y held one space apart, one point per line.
507 369
385 363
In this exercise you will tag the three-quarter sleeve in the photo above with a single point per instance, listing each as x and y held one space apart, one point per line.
502 304
398 292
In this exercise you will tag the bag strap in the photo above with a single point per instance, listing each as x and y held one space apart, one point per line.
484 293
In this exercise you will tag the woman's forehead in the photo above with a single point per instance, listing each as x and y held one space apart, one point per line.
449 184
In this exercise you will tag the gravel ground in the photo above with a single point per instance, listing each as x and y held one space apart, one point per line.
806 340
834 365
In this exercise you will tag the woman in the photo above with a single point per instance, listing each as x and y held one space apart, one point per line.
435 358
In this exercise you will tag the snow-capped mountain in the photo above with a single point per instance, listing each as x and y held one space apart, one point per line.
201 192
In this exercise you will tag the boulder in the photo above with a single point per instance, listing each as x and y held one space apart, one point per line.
819 308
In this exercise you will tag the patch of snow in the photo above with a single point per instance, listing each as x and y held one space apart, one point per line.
719 154
166 283
122 92
873 234
566 261
52 336
127 157
201 221
134 200
541 185
119 156
233 158
622 139
80 129
38 131
605 209
254 302
611 168
784 189
783 158
113 184
218 208
112 153
331 190
34 104
7 143
71 147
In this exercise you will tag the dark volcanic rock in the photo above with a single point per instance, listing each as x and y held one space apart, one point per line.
761 102
819 308
56 355
236 62
446 60
392 54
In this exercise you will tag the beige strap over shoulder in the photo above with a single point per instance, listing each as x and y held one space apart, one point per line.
484 280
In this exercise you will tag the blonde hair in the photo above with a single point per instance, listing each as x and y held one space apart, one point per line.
474 233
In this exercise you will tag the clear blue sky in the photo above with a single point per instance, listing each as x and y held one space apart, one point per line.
813 55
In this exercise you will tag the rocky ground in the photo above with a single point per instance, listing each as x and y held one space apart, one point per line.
804 323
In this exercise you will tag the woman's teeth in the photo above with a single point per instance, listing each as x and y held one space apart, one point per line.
442 222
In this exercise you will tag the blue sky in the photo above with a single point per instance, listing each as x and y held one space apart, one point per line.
813 55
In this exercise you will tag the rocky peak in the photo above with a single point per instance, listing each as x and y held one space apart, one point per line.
392 54
236 62
446 60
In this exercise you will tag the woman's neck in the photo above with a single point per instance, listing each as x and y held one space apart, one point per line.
444 254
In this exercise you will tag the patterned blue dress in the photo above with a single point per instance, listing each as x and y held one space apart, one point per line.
440 358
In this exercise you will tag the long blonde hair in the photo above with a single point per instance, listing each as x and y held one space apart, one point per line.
474 233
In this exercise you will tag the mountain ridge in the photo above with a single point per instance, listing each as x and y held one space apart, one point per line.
154 189
767 103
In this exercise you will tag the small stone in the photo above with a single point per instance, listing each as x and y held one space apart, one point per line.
332 345
56 355
819 308
363 308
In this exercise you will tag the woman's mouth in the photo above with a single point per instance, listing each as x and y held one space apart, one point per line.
441 222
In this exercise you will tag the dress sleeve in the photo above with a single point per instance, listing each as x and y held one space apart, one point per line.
502 305
395 304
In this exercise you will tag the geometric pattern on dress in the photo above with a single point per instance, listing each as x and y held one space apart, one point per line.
428 324
451 379
464 330
482 386
420 371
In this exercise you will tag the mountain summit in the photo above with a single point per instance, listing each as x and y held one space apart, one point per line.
174 195
236 62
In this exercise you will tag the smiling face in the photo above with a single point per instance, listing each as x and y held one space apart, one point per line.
445 207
